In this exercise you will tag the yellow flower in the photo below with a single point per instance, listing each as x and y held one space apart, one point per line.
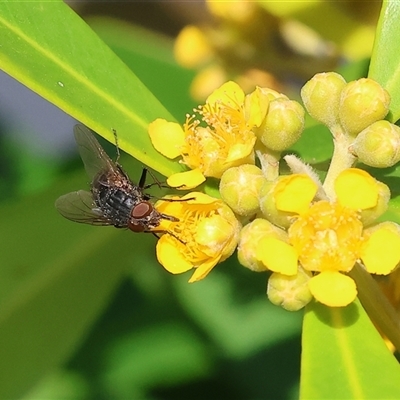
192 47
207 233
327 237
221 140
241 11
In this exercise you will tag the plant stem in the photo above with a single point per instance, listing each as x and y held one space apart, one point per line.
269 161
377 306
341 160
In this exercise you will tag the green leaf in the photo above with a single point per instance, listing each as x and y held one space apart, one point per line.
315 145
385 61
48 48
344 356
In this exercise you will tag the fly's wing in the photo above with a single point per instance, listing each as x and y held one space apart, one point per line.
93 156
80 207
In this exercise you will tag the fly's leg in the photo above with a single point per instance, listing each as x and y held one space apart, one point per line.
142 185
116 144
142 180
156 182
166 233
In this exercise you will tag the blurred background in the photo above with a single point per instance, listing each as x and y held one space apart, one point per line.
151 335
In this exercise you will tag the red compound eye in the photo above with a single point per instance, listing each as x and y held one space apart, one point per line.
141 210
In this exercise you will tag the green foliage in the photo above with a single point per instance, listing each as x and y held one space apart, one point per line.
53 285
344 356
48 48
385 60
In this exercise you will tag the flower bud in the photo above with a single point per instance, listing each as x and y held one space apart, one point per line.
362 103
321 97
240 188
290 292
378 145
249 238
283 124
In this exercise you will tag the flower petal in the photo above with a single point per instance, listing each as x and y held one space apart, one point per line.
277 255
199 198
203 270
240 151
229 93
169 207
170 257
256 107
381 251
333 289
294 193
356 189
186 180
166 137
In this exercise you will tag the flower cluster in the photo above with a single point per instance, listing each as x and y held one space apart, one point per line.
265 45
354 114
308 234
322 237
226 131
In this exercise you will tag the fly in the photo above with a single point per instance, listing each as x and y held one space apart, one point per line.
113 199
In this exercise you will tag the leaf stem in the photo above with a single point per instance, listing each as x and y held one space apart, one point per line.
377 306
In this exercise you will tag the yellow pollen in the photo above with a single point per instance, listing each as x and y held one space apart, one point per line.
327 237
185 230
212 134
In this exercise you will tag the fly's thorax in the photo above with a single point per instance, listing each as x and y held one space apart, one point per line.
116 203
118 179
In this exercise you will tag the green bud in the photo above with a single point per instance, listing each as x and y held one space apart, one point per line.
248 242
290 292
240 188
362 103
378 145
321 97
283 124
